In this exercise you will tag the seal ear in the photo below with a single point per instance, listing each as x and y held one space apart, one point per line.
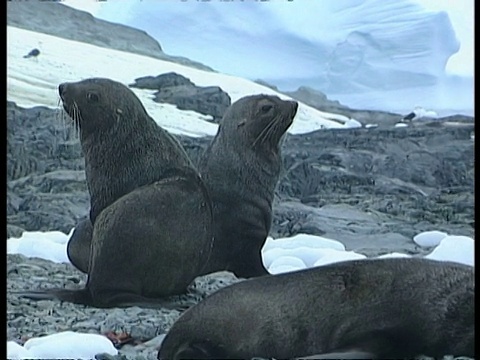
200 350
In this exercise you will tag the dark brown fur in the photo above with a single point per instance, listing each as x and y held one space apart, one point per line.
78 246
151 213
123 146
382 308
241 168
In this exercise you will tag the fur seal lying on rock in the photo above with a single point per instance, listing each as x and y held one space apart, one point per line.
241 168
151 213
383 308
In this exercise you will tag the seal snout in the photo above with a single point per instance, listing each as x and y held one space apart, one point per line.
61 90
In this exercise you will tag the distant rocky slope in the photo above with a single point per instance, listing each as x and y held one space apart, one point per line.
320 101
373 189
54 18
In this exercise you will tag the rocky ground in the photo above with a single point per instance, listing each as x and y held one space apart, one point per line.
348 184
145 327
372 189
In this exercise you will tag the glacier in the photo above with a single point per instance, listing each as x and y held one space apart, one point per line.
387 55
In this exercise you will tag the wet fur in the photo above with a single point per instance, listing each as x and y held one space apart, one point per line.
386 308
145 195
124 148
241 168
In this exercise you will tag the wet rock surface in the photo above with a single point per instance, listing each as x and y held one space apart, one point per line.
377 181
372 189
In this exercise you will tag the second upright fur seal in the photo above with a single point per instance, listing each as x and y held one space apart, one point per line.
241 168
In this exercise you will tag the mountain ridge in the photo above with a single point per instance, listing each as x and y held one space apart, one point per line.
54 18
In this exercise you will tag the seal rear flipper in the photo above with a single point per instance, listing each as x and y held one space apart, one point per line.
124 299
344 354
77 296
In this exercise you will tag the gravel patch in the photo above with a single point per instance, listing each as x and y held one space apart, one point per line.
27 318
147 327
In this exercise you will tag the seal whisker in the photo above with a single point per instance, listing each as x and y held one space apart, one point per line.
58 115
76 120
61 118
267 131
260 136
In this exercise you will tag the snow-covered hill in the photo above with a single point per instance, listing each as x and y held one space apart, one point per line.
34 81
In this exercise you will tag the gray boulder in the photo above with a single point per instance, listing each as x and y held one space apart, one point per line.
178 90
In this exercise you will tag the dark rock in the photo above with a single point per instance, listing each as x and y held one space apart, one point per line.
316 99
417 178
211 100
14 202
39 140
46 187
372 190
14 231
178 90
161 81
53 182
266 84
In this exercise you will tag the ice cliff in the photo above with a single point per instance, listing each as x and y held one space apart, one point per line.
375 54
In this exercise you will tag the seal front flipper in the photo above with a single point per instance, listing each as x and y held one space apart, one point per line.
78 246
194 350
84 297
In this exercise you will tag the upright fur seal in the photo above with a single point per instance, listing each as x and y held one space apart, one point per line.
151 213
383 308
241 168
124 149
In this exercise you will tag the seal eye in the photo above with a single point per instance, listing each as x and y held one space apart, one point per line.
242 123
266 108
92 97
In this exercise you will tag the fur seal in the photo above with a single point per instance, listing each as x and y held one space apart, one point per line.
151 212
109 174
379 308
241 168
